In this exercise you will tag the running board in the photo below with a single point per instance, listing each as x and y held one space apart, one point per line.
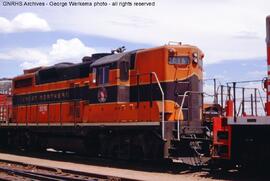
249 120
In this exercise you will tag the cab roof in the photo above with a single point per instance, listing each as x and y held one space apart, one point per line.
113 58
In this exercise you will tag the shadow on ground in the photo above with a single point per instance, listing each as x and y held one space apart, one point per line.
237 174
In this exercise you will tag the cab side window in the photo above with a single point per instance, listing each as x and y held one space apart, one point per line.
124 70
103 75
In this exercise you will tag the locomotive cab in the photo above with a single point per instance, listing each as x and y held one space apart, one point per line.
131 85
110 82
112 70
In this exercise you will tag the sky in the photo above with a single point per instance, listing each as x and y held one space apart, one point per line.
231 33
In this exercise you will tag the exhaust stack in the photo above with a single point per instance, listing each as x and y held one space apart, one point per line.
268 64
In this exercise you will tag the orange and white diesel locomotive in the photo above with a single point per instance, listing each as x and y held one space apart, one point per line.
139 104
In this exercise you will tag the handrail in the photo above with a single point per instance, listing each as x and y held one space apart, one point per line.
260 96
180 110
240 106
163 99
255 95
163 105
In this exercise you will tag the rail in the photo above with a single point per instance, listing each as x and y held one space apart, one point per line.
16 170
181 108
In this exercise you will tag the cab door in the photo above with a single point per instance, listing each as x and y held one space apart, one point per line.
126 109
103 96
76 103
123 88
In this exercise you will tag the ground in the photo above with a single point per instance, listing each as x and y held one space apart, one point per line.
140 173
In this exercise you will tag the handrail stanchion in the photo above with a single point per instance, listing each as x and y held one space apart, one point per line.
215 92
251 104
243 100
180 110
163 106
255 101
234 101
260 96
229 92
221 98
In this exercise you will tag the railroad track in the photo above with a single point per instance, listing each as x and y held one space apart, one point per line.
21 167
10 170
152 166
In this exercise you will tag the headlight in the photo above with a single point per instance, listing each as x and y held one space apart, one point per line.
195 57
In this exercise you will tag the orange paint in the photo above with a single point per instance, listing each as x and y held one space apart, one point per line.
147 61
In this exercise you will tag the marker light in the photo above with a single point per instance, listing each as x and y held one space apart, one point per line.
172 52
